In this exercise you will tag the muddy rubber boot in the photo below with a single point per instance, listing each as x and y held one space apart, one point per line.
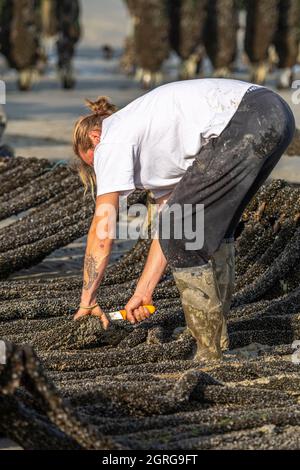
224 267
202 308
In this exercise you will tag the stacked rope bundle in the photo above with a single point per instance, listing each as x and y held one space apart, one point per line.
83 383
54 211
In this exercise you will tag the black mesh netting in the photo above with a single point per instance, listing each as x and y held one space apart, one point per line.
70 385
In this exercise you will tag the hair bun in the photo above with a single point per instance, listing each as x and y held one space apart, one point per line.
102 106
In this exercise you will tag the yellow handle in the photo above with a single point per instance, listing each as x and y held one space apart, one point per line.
150 308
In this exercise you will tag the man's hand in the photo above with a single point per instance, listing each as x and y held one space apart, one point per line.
96 312
135 310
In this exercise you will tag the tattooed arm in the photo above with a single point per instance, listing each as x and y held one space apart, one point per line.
98 249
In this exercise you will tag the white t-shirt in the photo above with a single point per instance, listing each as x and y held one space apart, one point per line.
151 142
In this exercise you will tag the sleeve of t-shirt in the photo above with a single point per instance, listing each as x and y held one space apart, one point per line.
114 168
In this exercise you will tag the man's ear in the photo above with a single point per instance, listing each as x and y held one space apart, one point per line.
95 137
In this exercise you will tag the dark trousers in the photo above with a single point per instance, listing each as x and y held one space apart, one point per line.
227 173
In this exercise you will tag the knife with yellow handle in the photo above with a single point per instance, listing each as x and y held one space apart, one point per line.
122 314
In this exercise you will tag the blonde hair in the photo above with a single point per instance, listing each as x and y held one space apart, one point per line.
101 109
